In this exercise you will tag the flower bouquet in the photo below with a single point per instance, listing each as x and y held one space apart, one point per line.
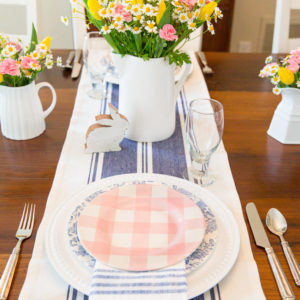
150 28
19 65
284 73
22 115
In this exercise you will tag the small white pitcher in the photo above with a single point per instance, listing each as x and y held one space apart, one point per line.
285 125
21 112
147 96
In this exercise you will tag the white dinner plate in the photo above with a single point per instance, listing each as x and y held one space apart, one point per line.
78 275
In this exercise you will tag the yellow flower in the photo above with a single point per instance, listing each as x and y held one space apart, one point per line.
286 76
47 42
94 7
207 10
134 2
161 10
1 78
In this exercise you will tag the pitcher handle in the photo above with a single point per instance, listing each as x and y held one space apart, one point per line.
52 105
183 77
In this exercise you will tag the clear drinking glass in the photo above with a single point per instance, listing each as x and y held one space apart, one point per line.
204 130
95 63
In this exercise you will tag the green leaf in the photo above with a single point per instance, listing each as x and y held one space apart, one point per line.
138 42
166 18
33 41
111 42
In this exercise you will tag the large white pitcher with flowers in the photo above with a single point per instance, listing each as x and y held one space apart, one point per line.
147 96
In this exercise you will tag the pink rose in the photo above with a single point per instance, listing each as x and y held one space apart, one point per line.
26 62
294 67
125 14
10 67
17 45
168 33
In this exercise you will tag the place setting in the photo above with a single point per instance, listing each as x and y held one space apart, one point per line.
137 224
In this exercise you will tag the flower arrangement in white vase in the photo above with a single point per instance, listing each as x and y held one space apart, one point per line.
21 113
146 36
285 75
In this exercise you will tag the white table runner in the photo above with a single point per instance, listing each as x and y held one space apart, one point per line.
75 169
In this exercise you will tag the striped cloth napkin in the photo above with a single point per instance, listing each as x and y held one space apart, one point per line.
166 283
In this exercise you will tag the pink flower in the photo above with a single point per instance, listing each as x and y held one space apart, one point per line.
26 62
10 67
17 45
295 52
190 3
294 67
168 33
294 59
125 14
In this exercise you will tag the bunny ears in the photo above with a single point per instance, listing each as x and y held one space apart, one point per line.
113 118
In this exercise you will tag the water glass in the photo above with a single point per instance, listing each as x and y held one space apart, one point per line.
204 130
95 63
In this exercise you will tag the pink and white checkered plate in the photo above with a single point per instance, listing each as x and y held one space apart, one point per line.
141 227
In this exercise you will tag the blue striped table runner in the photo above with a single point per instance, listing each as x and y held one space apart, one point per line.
167 157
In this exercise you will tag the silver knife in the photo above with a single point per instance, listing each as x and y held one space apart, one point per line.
262 240
76 66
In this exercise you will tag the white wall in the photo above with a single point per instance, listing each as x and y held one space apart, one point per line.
250 25
48 18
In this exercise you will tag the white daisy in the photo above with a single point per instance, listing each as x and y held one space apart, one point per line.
74 11
135 10
116 25
148 10
118 18
41 48
105 29
276 90
35 54
298 83
49 64
65 20
9 51
150 26
269 59
59 61
136 30
210 27
104 13
192 25
183 17
275 80
139 18
218 13
34 66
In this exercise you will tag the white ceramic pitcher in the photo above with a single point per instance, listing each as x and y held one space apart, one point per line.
285 124
147 96
21 112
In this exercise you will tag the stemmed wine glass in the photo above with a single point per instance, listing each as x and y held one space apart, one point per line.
95 62
204 130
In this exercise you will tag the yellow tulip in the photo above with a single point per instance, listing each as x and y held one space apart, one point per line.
286 76
47 42
134 2
161 10
207 10
94 7
1 78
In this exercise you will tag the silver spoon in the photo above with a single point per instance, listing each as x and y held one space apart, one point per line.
277 224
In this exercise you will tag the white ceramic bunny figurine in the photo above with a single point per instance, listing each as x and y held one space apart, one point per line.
107 134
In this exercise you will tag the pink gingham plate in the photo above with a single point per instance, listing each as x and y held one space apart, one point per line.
141 227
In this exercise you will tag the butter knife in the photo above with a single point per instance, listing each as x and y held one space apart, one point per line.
76 66
262 240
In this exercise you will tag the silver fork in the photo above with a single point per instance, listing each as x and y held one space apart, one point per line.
24 232
206 69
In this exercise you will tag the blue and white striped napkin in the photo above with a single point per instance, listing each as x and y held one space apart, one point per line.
166 283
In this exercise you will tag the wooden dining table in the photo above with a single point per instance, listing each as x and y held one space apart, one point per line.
265 171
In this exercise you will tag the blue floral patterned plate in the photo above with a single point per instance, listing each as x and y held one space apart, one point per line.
193 261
